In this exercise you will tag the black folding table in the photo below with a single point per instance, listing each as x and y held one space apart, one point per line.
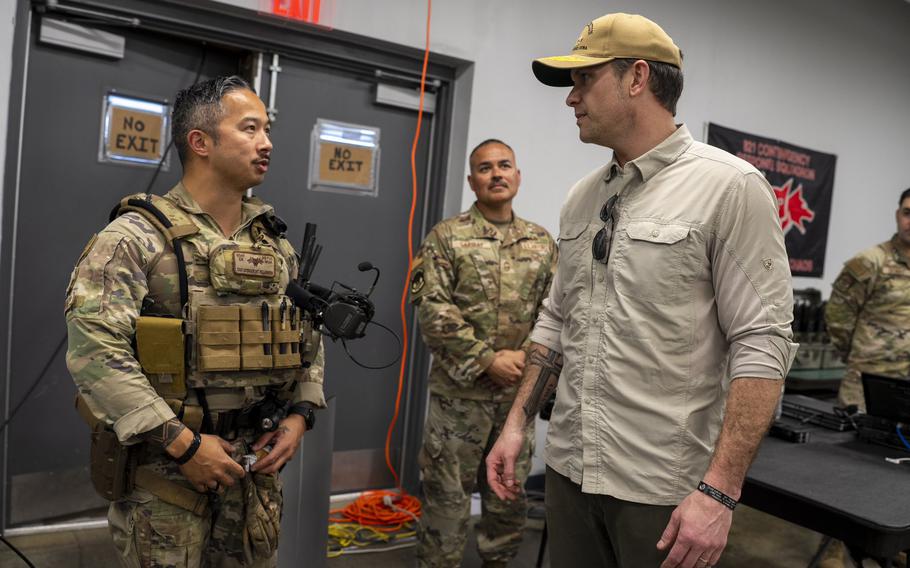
838 486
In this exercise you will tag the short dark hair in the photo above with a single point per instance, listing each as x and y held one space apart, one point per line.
666 81
487 142
904 195
199 108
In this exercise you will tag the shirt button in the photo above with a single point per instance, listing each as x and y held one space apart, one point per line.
655 233
600 277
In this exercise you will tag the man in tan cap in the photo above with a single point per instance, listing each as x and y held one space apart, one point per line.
666 333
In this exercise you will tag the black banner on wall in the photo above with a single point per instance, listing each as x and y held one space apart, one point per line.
803 181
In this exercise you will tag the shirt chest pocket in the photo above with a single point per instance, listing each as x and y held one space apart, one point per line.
574 253
477 271
654 261
893 287
524 268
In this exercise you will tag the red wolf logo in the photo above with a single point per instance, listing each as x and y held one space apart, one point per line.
792 208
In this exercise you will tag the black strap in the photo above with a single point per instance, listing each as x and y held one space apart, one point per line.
717 495
190 451
207 425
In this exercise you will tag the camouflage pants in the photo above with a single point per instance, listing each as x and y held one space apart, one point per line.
149 533
459 433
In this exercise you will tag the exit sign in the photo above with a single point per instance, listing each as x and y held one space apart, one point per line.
309 11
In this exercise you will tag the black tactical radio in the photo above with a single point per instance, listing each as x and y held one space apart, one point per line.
341 314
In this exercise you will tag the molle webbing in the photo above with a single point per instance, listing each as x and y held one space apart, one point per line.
248 337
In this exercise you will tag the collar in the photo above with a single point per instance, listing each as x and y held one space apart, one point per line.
657 158
518 230
252 207
898 251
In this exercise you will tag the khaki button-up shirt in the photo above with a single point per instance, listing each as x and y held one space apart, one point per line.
696 291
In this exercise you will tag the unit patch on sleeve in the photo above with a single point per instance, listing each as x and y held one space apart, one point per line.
417 281
254 264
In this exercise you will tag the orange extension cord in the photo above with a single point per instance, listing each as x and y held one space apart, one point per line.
389 511
407 280
386 511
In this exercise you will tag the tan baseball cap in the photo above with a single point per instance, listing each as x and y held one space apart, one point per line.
614 36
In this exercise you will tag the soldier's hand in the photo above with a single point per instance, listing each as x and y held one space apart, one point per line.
212 468
506 368
285 441
501 464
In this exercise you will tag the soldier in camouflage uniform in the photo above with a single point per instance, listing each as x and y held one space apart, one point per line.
221 131
867 318
868 315
478 282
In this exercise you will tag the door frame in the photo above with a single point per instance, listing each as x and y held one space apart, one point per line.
224 24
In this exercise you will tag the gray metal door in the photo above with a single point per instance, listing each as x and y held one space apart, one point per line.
351 228
64 196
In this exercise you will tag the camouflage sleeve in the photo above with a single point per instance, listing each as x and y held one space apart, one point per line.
447 334
310 388
102 304
848 296
552 259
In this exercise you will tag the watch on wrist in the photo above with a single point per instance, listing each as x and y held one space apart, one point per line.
306 410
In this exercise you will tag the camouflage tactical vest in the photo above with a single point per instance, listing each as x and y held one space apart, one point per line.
235 327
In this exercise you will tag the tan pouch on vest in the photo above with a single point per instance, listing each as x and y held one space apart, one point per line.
218 337
255 339
160 349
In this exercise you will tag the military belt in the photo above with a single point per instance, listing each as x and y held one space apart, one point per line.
171 492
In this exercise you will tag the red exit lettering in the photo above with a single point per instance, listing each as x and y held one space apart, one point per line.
303 10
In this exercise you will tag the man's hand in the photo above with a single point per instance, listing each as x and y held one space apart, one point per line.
284 440
212 466
506 368
501 464
697 532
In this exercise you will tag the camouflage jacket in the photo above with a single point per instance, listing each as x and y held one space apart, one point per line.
868 315
478 291
126 264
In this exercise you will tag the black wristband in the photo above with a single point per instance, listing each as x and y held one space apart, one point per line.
306 410
717 495
190 451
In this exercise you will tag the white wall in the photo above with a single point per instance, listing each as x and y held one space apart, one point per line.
831 76
828 75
